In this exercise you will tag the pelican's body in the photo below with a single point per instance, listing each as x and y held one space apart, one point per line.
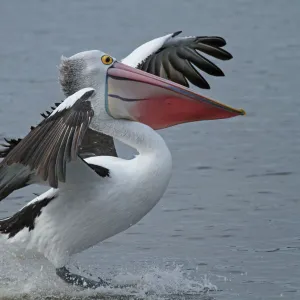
89 209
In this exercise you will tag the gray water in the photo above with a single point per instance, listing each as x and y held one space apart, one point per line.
228 225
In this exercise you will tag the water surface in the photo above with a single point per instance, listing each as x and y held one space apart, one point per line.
228 225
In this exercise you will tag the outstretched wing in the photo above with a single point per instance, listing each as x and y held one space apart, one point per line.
50 145
17 175
179 58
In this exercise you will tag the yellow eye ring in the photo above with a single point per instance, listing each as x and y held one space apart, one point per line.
107 60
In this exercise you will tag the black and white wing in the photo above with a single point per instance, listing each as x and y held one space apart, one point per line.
16 175
42 155
179 58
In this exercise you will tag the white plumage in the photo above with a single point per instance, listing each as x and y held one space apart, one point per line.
89 209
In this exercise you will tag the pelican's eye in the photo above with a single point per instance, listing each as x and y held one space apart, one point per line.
107 60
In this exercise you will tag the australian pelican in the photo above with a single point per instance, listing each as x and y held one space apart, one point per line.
97 197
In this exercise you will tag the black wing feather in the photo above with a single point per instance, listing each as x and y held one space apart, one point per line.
173 73
178 59
185 68
199 61
214 41
216 52
10 144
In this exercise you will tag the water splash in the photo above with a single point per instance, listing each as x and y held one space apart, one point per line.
157 281
33 278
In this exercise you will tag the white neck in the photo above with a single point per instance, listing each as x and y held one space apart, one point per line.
136 135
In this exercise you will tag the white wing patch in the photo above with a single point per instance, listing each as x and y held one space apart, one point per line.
142 52
48 194
71 100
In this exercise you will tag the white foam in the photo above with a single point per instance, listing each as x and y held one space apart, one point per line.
34 278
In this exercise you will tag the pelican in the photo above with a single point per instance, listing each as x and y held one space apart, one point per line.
171 57
92 199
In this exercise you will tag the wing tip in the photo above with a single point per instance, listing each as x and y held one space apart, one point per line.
228 55
176 33
89 92
9 146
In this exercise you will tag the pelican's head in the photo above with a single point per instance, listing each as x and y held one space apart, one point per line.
132 94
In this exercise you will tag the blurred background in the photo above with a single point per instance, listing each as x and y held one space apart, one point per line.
228 225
